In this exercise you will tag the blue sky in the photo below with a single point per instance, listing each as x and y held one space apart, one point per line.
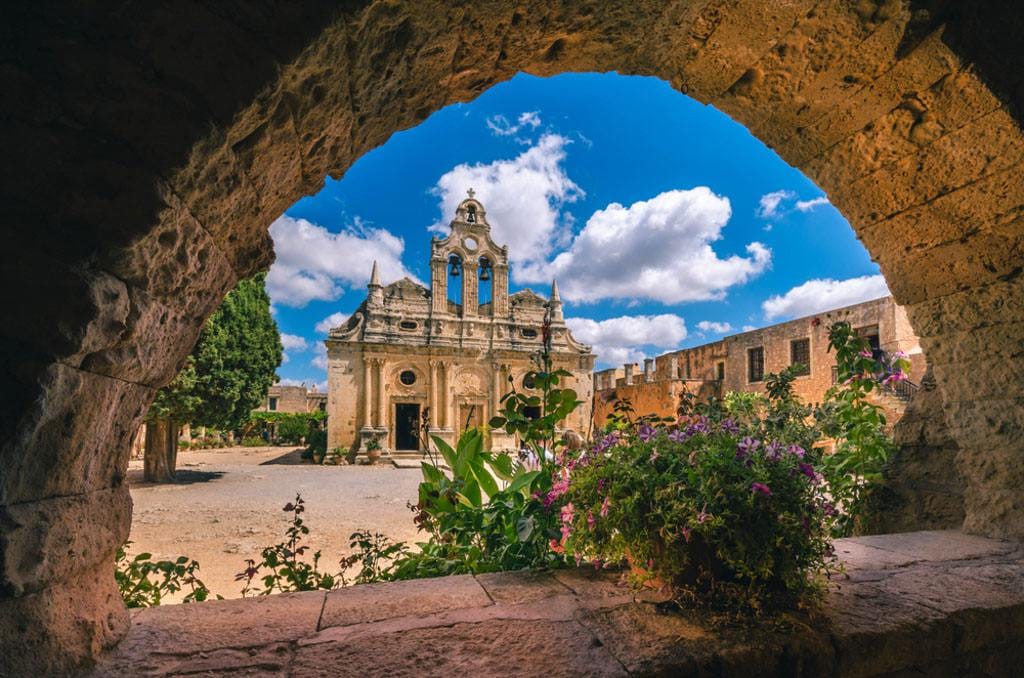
666 223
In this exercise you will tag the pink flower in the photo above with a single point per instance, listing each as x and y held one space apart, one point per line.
590 520
703 516
567 513
686 533
761 488
604 507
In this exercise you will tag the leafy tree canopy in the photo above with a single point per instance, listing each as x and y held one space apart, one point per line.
231 367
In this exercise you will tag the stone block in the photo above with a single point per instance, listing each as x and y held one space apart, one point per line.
515 588
407 598
77 436
43 542
191 628
505 647
60 629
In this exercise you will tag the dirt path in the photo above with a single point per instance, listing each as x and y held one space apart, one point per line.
227 506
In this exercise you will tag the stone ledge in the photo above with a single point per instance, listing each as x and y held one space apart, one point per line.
929 602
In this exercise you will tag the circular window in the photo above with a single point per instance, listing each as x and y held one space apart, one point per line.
529 382
407 377
470 244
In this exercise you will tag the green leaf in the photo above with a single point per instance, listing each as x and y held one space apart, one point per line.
524 528
523 481
431 473
446 451
504 467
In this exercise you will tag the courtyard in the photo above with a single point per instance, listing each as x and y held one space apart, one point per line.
226 506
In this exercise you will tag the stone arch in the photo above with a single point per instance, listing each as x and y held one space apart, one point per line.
143 180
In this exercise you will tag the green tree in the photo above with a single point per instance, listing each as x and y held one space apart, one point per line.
226 376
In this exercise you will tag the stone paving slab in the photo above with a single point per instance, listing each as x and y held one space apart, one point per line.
413 598
902 608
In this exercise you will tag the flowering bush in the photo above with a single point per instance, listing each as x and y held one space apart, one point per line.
708 508
857 425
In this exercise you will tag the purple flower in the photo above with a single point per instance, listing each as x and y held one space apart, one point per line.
774 450
866 353
646 432
730 426
796 451
606 443
678 436
746 446
761 488
807 470
829 509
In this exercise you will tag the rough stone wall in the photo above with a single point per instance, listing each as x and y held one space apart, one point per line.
660 394
149 146
923 487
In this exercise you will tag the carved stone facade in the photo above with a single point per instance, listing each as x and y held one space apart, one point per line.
445 355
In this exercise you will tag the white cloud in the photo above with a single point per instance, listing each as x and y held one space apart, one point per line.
749 328
293 342
819 295
499 124
331 321
320 361
713 327
619 340
654 249
769 204
778 204
808 205
314 263
523 197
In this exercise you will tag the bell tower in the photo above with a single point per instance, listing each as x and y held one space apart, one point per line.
467 258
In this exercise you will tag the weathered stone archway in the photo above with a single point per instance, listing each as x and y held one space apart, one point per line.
149 147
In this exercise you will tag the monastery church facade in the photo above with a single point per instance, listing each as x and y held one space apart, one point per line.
443 357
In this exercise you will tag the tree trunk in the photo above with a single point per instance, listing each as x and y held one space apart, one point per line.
161 454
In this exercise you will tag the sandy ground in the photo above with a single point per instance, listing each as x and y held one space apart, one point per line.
226 506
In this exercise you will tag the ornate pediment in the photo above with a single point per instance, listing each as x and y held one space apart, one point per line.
527 297
406 288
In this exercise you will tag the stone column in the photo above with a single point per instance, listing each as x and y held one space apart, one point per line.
432 394
381 397
367 394
470 283
629 373
648 369
445 395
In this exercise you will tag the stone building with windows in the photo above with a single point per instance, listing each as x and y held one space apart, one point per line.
282 398
741 361
443 357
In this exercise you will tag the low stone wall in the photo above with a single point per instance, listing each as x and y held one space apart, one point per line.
932 603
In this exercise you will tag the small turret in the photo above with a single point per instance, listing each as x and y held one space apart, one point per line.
376 296
556 303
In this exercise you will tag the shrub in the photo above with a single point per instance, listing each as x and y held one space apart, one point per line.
282 564
143 582
253 442
316 441
705 509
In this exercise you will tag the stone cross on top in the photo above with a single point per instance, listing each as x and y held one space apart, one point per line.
471 192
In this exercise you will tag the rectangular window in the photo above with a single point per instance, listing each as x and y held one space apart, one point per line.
800 354
720 371
272 404
755 364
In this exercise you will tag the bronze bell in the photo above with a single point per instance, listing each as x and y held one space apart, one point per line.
455 267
